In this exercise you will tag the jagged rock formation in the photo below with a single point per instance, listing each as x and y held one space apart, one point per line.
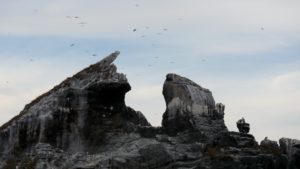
83 123
291 147
269 143
190 107
243 126
75 116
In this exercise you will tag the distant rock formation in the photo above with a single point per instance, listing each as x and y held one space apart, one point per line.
190 107
76 115
83 123
291 147
243 126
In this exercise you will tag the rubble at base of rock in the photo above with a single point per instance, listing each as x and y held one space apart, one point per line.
84 123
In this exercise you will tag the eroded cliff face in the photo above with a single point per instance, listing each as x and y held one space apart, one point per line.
190 107
76 115
83 123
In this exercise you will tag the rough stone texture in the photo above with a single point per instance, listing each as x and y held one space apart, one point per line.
243 126
76 115
291 147
269 143
190 107
83 123
234 139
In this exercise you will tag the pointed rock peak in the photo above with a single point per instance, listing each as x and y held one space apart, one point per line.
102 71
77 114
110 58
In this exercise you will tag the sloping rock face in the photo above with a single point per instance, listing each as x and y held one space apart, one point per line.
190 107
83 123
76 115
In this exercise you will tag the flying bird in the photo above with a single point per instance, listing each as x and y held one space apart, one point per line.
72 45
134 30
262 28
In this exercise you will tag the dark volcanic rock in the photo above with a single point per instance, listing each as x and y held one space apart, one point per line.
291 147
190 107
76 115
83 123
269 143
234 139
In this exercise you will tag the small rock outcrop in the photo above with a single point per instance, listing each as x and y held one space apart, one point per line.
84 123
269 143
190 107
243 126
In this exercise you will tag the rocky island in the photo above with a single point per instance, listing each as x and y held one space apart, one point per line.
83 123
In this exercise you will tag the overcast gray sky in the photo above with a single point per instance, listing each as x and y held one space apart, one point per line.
246 52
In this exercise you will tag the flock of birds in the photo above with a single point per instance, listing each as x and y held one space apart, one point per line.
134 30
